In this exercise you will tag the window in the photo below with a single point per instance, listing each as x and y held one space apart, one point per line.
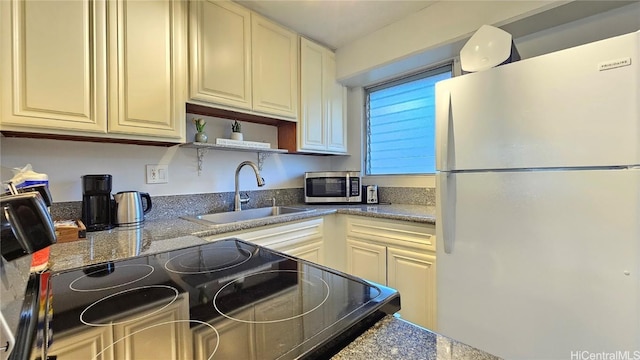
401 125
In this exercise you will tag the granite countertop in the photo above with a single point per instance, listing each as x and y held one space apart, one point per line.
390 338
394 338
414 213
164 235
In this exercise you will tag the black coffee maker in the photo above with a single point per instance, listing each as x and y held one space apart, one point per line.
97 207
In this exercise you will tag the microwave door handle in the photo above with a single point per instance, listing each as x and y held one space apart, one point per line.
348 186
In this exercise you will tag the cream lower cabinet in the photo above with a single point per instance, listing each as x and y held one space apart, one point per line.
400 255
162 334
242 61
157 331
413 274
322 122
253 339
302 238
230 338
83 346
111 69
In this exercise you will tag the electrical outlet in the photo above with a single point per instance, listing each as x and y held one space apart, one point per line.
157 174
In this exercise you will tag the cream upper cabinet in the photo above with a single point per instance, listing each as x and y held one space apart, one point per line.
322 122
241 61
274 54
220 49
53 65
114 69
147 68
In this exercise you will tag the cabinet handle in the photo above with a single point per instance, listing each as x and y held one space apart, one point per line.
447 187
444 119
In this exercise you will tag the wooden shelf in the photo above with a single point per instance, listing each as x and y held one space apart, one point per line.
287 129
198 145
202 149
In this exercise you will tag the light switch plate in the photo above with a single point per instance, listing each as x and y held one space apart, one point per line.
157 174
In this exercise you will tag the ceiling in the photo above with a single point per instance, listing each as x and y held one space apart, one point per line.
335 23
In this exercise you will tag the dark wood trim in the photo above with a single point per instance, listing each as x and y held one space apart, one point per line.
20 134
287 130
287 138
234 115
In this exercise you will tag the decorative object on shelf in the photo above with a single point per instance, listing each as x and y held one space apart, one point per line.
201 136
236 131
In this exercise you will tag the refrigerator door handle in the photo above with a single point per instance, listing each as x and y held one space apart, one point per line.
444 119
448 207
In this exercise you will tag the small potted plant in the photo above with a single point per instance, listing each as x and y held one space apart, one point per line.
236 131
201 136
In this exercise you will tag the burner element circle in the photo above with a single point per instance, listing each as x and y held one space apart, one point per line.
153 293
99 355
308 283
89 282
202 261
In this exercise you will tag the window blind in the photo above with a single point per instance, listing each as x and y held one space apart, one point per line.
401 125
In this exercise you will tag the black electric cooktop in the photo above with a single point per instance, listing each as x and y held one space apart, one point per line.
222 300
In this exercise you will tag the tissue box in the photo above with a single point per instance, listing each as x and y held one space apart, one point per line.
69 230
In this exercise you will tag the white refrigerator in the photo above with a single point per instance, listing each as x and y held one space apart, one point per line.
538 205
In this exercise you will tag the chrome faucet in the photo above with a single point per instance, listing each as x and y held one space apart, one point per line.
237 200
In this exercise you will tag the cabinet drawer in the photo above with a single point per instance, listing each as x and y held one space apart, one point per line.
402 233
280 236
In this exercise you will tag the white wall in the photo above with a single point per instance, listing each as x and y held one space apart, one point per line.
426 36
615 22
66 161
611 23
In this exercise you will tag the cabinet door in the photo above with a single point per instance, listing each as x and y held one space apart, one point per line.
368 261
220 53
276 338
146 68
413 274
163 335
53 65
336 104
322 123
96 340
274 52
311 252
233 340
311 125
303 237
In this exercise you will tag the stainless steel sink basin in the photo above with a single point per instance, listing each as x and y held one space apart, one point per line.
246 215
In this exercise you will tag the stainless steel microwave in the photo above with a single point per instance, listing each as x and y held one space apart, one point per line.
332 187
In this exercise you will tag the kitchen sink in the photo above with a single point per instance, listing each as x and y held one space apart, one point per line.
246 215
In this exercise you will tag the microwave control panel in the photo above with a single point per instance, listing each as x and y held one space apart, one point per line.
355 186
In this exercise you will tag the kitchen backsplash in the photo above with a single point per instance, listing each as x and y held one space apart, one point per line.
169 207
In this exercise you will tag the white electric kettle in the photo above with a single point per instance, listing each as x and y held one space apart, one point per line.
129 209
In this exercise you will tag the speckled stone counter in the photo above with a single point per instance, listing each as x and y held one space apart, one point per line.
164 235
393 338
414 213
390 338
122 243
